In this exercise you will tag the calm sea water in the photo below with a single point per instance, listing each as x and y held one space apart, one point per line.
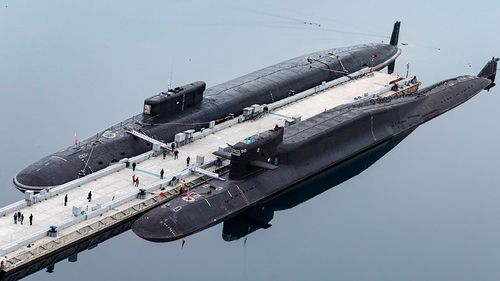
428 210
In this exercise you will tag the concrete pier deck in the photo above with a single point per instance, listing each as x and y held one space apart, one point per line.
114 197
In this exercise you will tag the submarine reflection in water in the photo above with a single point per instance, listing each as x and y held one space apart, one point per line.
260 217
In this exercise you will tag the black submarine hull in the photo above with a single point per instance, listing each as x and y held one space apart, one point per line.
187 226
261 87
307 148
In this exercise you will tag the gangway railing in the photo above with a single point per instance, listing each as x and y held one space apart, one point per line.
207 173
148 138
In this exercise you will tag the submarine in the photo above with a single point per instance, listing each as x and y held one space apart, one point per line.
238 227
265 165
194 107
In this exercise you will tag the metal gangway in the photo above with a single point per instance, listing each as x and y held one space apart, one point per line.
156 143
207 173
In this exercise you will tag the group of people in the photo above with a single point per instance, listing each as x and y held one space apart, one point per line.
19 217
89 198
162 172
176 154
135 180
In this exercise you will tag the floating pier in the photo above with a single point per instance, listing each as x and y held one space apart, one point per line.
116 201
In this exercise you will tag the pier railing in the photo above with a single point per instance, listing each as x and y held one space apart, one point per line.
96 210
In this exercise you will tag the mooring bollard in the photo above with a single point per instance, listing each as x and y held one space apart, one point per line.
52 231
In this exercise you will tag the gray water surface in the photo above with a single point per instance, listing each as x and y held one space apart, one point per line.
428 210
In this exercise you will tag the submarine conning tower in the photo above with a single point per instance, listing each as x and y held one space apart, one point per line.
255 153
176 100
489 71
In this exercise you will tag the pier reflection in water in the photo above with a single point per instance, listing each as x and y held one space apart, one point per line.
71 253
247 222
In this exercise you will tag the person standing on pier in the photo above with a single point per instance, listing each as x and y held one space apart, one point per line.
21 218
162 172
133 179
15 218
31 219
187 161
89 197
18 215
66 200
137 181
133 166
176 154
164 154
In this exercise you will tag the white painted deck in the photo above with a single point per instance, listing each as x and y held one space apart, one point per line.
52 211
